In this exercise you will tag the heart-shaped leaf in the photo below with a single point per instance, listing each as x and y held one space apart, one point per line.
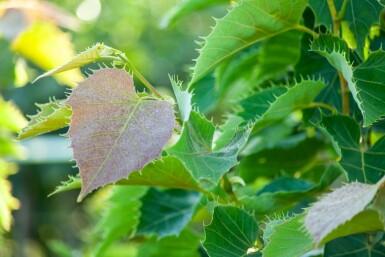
113 131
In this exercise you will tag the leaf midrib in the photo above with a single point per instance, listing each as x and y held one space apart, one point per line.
131 115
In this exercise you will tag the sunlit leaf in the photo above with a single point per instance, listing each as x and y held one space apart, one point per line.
73 182
51 116
287 239
232 233
94 53
183 98
48 47
113 131
167 212
249 22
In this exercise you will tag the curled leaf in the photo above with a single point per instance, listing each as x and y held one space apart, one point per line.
113 131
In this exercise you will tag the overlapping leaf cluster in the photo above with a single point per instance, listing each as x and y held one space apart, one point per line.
304 104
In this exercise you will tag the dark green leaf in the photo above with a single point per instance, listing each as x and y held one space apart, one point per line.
360 245
167 212
360 165
249 22
195 149
232 233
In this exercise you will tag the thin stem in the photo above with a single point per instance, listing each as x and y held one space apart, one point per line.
307 30
147 84
344 94
341 13
334 14
228 188
323 105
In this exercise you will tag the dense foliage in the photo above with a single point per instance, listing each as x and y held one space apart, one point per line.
285 104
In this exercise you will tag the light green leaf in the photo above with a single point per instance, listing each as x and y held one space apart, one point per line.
288 238
359 17
339 207
73 182
183 98
92 54
166 172
167 212
360 245
249 22
52 116
121 218
272 105
186 245
187 7
195 149
360 164
232 233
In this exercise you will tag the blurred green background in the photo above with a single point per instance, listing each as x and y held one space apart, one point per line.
36 36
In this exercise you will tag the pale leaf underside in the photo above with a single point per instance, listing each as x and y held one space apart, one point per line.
114 132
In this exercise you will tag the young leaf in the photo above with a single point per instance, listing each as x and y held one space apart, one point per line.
232 233
166 172
167 212
288 238
186 245
360 165
361 245
183 98
121 218
94 53
339 207
73 182
113 131
195 149
249 22
368 12
47 46
52 116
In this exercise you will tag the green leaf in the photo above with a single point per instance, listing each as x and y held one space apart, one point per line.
187 7
288 239
52 116
360 164
92 54
183 98
279 195
339 207
121 218
364 81
370 80
195 149
232 233
275 104
186 245
361 245
73 182
359 16
249 22
166 172
167 212
113 131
